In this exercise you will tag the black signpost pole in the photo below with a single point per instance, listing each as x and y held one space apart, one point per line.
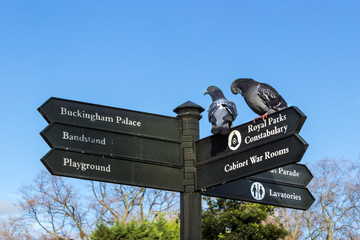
190 201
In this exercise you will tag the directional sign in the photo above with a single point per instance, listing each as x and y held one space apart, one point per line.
111 119
256 160
280 124
293 174
84 166
112 144
263 192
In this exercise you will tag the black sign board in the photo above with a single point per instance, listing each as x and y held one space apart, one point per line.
293 174
253 161
111 119
112 144
122 146
265 193
278 125
84 166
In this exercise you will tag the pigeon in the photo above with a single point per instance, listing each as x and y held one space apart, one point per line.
262 98
222 112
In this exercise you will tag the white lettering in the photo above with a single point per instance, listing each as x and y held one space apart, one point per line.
256 159
82 114
269 155
267 133
83 138
278 119
256 127
235 165
127 121
292 196
273 171
68 162
293 173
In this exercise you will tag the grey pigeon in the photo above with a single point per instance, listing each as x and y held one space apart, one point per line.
262 98
222 112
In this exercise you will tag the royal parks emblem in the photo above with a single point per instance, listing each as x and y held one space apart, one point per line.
234 140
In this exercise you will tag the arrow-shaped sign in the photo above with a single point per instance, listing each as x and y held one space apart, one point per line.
278 125
112 144
293 174
263 192
84 166
111 119
253 161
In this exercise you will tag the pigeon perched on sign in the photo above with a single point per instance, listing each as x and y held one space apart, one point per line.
222 112
262 98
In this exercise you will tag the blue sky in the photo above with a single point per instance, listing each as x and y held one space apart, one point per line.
152 56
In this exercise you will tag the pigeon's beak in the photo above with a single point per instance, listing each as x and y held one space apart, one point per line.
206 92
236 90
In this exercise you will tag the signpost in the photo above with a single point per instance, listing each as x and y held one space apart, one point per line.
111 119
254 163
293 174
112 144
256 160
84 166
264 192
249 135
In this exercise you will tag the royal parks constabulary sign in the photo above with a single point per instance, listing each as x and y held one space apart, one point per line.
255 162
249 135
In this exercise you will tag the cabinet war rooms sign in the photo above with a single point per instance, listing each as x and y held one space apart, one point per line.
255 162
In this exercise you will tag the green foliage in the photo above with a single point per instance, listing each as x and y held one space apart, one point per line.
223 219
161 229
229 219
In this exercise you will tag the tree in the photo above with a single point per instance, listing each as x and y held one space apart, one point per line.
292 221
13 229
335 212
59 209
160 229
229 219
119 203
55 206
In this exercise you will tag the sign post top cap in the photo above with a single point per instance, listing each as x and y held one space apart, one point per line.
189 108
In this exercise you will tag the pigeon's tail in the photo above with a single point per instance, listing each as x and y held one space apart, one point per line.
222 129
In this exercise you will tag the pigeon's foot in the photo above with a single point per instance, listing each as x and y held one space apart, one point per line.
262 117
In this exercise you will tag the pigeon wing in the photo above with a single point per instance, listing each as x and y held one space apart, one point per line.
271 97
231 108
219 123
212 109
